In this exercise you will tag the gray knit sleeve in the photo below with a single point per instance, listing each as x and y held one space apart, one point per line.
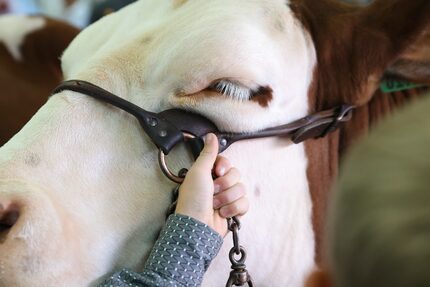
180 256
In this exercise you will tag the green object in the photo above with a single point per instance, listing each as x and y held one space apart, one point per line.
390 85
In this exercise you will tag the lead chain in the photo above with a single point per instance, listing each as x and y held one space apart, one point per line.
239 276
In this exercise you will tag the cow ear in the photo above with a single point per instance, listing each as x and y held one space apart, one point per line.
384 32
356 44
414 64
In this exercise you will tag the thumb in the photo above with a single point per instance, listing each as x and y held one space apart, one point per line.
208 155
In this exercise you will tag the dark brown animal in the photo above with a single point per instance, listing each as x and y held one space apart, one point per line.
27 77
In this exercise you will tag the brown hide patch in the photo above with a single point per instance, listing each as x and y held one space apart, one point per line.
414 71
420 50
319 278
27 84
4 6
354 47
48 44
263 96
352 43
323 158
324 154
414 63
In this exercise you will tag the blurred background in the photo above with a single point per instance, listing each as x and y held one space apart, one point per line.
79 13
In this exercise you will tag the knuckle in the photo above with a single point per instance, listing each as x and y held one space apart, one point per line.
222 182
226 197
233 176
235 171
242 206
241 188
231 210
245 205
224 212
222 160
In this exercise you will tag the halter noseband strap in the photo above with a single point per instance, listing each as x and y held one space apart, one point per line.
162 133
168 128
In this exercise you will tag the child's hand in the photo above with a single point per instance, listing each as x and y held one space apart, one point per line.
211 201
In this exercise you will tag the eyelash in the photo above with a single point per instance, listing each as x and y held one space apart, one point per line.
232 89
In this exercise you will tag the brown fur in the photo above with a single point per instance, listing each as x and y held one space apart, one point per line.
4 6
354 47
26 85
263 96
414 63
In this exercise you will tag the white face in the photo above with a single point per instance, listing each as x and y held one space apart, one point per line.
84 177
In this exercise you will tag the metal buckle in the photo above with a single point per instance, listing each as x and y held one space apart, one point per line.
165 169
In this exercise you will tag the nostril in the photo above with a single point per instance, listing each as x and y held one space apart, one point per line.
8 217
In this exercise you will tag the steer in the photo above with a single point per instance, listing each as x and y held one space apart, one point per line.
81 193
30 48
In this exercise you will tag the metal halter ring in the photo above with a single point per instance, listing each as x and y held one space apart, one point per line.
165 169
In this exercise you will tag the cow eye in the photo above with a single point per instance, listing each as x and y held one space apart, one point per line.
232 89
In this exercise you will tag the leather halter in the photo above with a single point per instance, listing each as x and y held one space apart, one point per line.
171 127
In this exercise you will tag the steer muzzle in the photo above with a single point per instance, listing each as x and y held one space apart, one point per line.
9 215
30 236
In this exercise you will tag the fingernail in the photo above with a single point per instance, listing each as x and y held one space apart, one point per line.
224 212
208 138
221 171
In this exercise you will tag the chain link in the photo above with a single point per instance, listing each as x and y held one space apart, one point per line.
239 276
234 226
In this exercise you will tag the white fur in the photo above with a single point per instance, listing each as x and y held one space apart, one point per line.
98 168
14 29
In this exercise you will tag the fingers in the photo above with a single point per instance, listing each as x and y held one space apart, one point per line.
207 156
231 178
232 202
239 207
229 196
222 165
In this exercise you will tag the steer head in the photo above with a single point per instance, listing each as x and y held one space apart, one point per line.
81 193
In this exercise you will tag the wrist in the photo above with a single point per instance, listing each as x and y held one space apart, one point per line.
206 223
